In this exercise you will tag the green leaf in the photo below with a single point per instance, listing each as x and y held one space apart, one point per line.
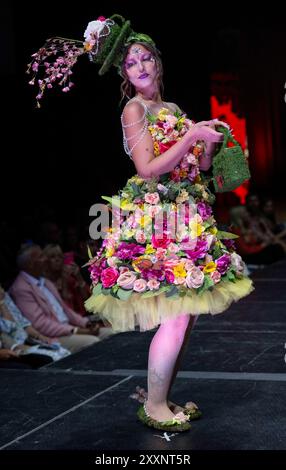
208 283
124 294
106 291
136 189
97 289
221 235
217 252
172 291
89 252
230 276
181 253
113 200
155 292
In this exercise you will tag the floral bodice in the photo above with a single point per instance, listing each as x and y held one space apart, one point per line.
185 180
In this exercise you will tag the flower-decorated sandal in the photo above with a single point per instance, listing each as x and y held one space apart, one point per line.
190 409
178 424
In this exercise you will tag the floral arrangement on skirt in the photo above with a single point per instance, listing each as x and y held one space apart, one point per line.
166 239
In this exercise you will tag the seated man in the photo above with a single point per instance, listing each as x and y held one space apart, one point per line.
39 301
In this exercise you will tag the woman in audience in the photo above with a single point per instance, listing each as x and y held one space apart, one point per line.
66 275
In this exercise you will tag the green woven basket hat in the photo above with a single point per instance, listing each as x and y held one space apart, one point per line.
111 45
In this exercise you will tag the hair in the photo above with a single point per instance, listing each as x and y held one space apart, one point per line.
126 88
51 249
24 254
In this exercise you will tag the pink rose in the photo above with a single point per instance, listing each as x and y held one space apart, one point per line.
195 278
160 253
109 277
171 120
140 236
171 262
173 248
126 279
140 285
153 284
180 281
123 269
215 276
153 211
189 264
152 198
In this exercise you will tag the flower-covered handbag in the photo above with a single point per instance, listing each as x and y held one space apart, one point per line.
230 165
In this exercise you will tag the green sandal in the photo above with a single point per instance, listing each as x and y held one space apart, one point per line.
192 413
173 425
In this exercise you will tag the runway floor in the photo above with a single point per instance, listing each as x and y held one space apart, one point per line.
234 369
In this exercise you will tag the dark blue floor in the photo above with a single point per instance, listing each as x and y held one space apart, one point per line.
234 369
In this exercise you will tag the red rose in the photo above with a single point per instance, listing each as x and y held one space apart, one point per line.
166 146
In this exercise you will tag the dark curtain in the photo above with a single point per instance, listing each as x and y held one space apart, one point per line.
263 75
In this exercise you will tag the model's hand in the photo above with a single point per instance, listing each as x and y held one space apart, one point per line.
213 123
206 133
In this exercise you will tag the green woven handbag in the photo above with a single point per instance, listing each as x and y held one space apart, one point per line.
230 165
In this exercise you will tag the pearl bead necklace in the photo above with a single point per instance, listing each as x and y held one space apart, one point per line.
141 133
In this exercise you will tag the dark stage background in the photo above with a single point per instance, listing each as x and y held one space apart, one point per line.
57 161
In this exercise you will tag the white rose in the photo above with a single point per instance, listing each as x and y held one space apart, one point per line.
237 262
93 28
195 278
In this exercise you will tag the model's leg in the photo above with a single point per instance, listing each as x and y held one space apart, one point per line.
163 353
192 321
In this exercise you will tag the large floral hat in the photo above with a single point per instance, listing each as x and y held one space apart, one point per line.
104 42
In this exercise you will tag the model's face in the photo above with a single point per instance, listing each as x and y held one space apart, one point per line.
140 66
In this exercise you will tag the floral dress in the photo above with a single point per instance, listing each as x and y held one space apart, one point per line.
165 255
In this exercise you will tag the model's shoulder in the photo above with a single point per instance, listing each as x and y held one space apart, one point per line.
133 109
174 107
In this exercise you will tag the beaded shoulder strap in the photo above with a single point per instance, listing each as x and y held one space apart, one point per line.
140 133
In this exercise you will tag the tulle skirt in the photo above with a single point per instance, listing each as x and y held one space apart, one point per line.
146 313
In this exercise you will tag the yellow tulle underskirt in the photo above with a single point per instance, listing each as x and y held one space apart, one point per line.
147 313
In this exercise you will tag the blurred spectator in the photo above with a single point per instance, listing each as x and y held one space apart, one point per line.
250 246
269 216
40 302
12 360
19 335
259 224
66 276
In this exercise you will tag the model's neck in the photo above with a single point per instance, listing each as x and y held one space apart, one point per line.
151 97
